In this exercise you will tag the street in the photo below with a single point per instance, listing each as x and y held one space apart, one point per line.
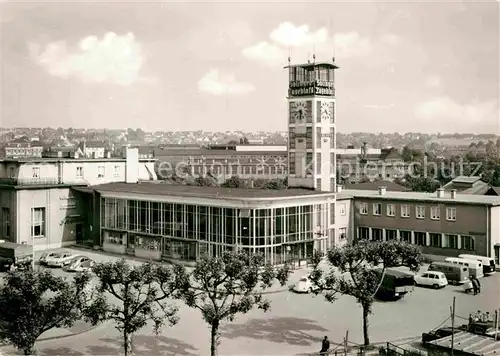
294 325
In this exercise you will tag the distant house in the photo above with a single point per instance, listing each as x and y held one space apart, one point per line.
468 185
23 147
63 152
355 165
145 152
375 185
93 149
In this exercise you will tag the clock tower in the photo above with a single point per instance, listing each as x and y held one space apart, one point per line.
311 126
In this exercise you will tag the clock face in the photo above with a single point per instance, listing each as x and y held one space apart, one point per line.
300 110
325 111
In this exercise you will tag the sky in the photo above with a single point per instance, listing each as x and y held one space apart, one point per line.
217 66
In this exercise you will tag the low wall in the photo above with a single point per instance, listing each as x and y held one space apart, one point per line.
114 248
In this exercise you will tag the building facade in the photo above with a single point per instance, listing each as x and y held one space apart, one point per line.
441 223
161 221
38 202
23 148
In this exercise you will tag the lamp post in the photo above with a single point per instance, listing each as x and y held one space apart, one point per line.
288 252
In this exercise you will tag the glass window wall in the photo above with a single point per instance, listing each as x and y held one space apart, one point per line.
183 231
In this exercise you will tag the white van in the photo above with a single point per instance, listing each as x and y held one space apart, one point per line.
488 263
475 267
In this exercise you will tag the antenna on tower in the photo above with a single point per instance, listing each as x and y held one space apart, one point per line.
332 31
289 55
308 58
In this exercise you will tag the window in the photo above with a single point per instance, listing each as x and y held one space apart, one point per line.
318 135
332 137
5 219
420 238
332 213
100 171
116 171
377 208
12 172
291 138
332 164
318 163
363 233
451 214
391 235
405 211
38 222
451 241
79 172
377 235
436 240
435 213
420 212
342 210
391 210
467 243
318 183
36 172
342 233
405 236
309 168
363 208
309 137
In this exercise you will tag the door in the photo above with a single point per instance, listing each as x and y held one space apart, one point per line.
79 232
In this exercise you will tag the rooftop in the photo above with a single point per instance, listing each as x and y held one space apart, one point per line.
429 197
390 186
314 64
151 188
55 160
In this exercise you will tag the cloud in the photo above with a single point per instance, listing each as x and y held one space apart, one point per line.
433 81
112 59
445 111
287 34
215 83
301 40
266 52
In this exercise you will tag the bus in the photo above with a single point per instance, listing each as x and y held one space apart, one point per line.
395 284
488 263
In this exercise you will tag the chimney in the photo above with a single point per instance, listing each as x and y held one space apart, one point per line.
453 193
382 190
339 188
132 165
440 193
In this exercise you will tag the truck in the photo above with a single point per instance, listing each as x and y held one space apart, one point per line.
14 254
395 284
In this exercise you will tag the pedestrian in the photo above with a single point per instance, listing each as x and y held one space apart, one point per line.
325 346
475 285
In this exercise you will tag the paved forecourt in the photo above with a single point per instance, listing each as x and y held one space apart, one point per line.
295 324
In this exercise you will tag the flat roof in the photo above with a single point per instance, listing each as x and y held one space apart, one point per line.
428 197
66 159
313 64
216 152
469 343
149 188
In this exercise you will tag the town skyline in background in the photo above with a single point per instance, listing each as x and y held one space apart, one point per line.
218 67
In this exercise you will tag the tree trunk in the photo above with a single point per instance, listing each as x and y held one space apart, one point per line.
127 343
30 350
214 339
366 313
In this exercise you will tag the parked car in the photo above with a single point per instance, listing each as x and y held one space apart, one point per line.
440 333
79 264
304 285
60 259
432 279
43 258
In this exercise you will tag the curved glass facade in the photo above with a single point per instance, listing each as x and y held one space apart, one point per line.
185 232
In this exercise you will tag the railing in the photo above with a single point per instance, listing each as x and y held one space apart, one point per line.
37 181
